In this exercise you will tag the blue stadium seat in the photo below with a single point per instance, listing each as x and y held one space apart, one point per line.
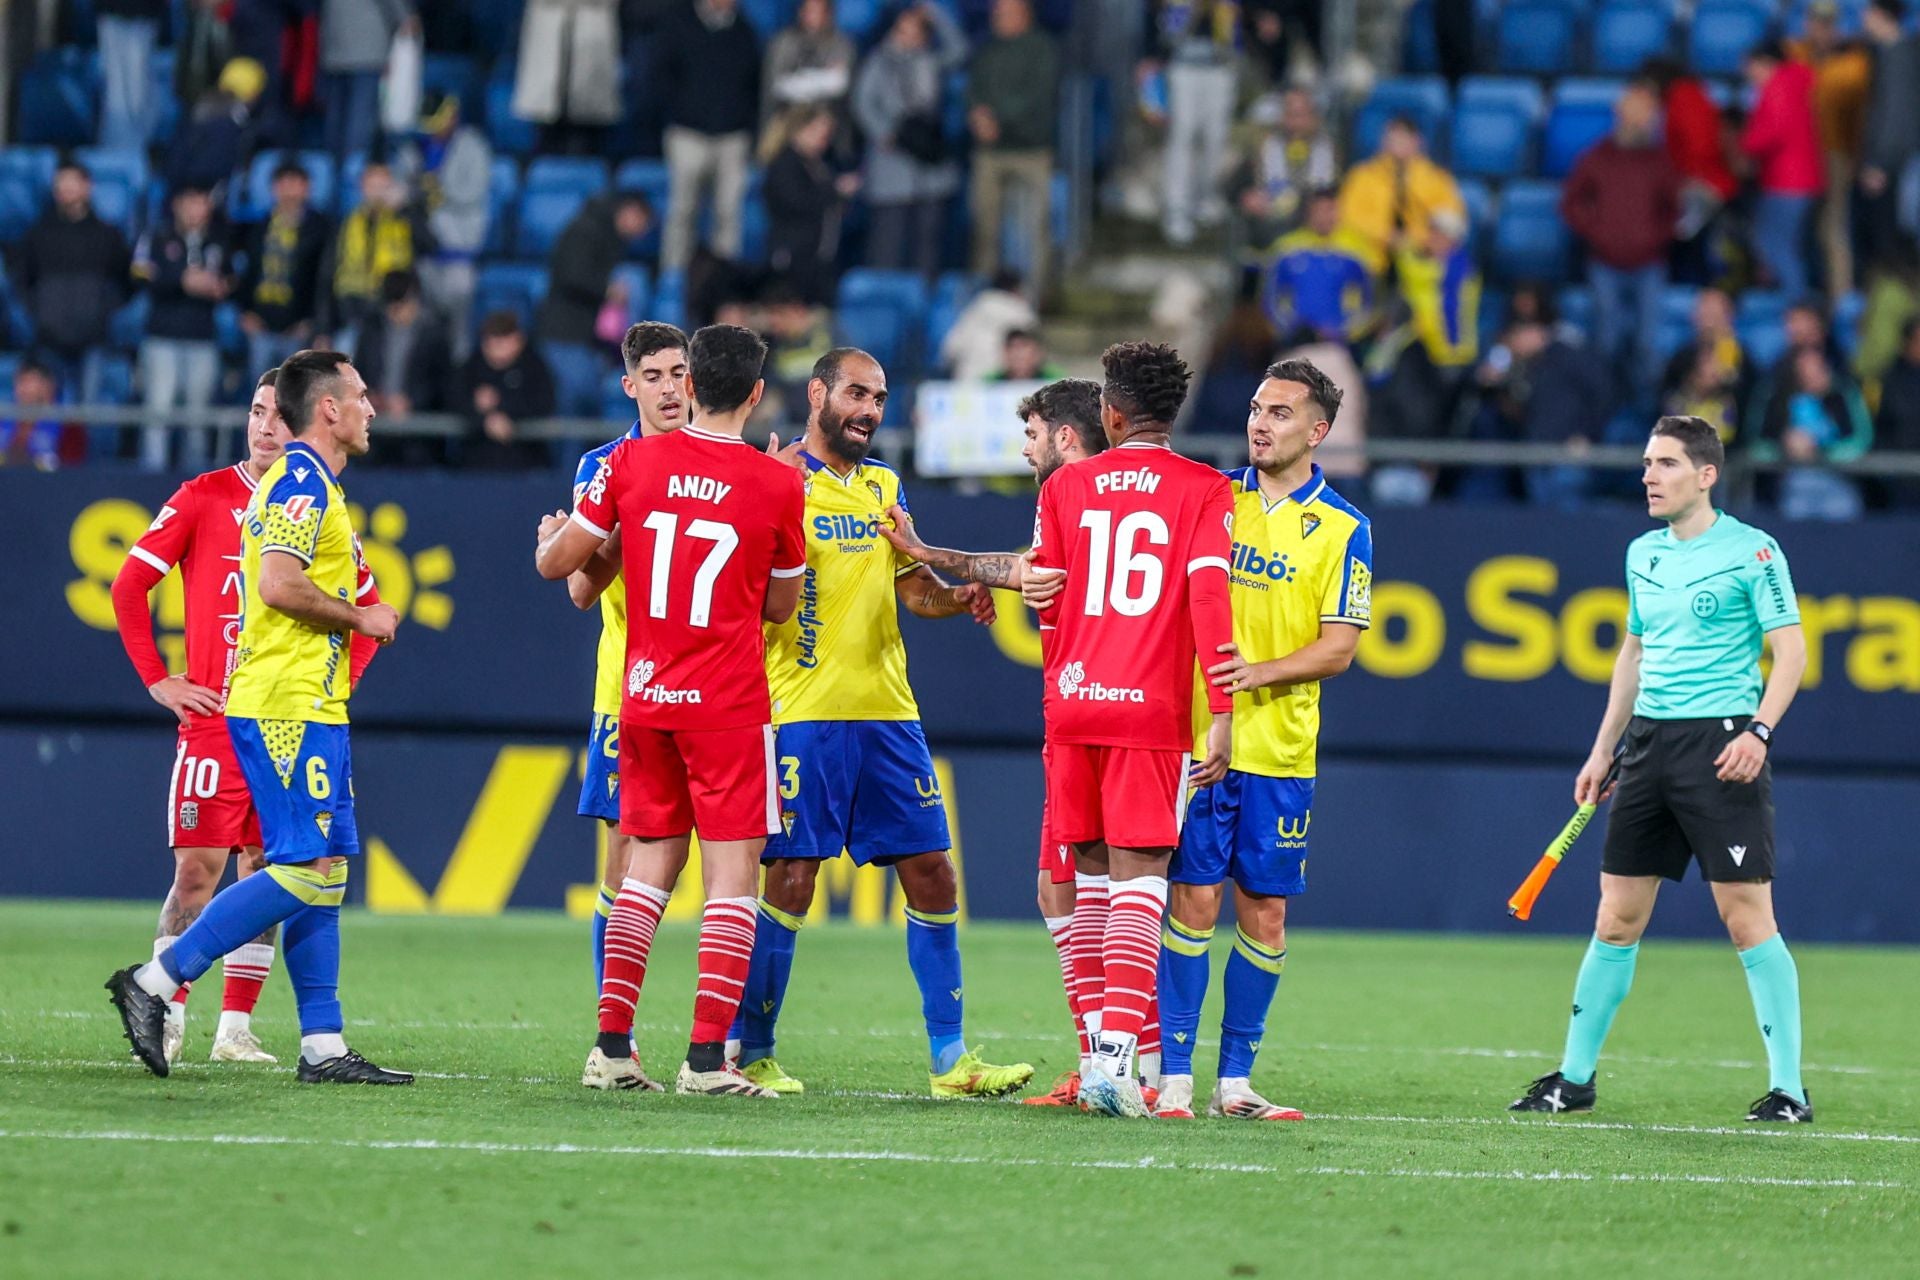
58 97
1494 121
251 200
1851 11
1848 310
226 329
1723 31
1582 114
23 189
120 182
1628 32
1537 37
166 115
1419 43
1759 318
670 298
1530 242
1676 320
951 293
503 192
1760 307
859 18
518 287
639 282
1479 199
116 382
885 313
555 188
509 133
584 174
1575 306
457 74
649 178
769 16
1423 98
128 324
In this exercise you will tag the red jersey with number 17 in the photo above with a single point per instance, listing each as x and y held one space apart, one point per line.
1144 536
708 520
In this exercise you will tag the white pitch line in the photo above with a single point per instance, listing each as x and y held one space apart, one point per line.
1563 1175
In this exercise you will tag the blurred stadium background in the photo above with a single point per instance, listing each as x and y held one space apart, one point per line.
1495 447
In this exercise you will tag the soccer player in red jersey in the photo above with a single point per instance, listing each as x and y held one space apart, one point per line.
1142 537
210 814
711 546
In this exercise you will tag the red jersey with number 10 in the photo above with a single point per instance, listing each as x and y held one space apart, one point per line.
1144 536
707 521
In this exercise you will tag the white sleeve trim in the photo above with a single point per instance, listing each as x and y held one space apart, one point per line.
901 573
364 587
1208 562
794 572
295 552
1362 623
590 526
147 557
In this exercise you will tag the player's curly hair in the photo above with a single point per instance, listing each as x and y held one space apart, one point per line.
1146 382
1070 402
1320 388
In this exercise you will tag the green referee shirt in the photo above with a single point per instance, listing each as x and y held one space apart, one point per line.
1700 607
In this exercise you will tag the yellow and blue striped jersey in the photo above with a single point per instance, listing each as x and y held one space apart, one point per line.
610 658
841 656
1297 562
285 669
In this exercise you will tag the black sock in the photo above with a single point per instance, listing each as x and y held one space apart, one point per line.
616 1045
709 1055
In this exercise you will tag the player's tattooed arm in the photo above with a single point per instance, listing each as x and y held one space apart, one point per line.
988 568
286 588
926 596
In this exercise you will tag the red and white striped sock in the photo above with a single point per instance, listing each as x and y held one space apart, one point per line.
245 971
1132 957
636 914
726 949
1060 928
1089 936
1148 1058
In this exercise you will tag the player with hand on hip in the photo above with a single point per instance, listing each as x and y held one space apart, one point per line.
1704 594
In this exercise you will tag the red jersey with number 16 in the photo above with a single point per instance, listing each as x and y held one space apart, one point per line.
1144 536
708 519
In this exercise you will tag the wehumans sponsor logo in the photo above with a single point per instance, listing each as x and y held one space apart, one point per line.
1073 684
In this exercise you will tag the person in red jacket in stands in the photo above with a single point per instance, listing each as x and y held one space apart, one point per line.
1782 139
1695 148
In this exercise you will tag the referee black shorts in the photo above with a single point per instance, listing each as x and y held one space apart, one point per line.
1669 808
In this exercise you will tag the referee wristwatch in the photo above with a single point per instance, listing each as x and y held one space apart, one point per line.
1761 730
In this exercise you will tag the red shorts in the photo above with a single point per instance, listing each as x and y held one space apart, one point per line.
718 782
1128 796
1056 856
208 804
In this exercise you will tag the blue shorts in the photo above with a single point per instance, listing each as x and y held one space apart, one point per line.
600 787
863 786
301 777
1250 829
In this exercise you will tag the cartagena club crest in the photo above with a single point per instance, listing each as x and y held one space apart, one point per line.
639 677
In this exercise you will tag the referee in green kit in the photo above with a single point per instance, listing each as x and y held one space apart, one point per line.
1694 783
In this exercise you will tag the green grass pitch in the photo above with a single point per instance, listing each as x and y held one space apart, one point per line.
1403 1050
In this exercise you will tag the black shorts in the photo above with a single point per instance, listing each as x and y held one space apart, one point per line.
1670 808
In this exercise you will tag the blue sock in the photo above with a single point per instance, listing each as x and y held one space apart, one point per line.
1253 975
237 915
311 945
933 953
1774 982
774 936
1606 975
1184 970
602 908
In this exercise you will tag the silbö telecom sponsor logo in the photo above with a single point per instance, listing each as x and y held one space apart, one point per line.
640 685
1073 684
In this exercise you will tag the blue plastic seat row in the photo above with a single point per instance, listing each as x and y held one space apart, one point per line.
1496 127
1613 37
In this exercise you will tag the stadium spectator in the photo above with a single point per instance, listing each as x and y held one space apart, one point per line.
1897 425
1432 350
280 281
974 345
41 441
356 39
1893 129
806 204
1390 201
809 64
1695 145
1783 141
898 98
127 31
1820 419
1239 352
503 384
1842 74
1893 298
382 235
446 170
1290 156
1198 43
580 284
567 78
185 270
1711 377
797 335
1319 286
1549 392
1622 201
709 79
1024 359
202 47
1278 32
71 272
1011 112
1807 330
219 136
406 355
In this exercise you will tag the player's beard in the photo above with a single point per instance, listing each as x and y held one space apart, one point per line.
843 446
1281 461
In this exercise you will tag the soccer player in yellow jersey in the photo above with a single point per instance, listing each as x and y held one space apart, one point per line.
1302 592
856 775
287 714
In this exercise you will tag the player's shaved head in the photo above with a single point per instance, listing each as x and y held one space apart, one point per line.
267 379
830 367
304 381
1146 384
724 365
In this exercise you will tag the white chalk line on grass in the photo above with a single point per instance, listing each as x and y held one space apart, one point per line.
1566 1175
